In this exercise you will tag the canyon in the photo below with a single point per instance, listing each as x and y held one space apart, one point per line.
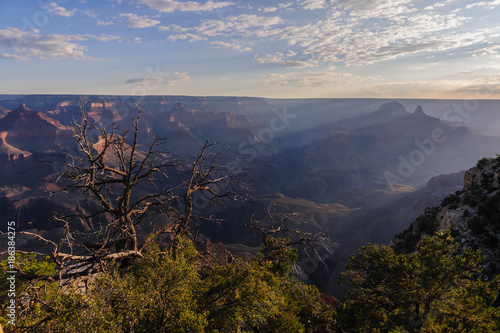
357 170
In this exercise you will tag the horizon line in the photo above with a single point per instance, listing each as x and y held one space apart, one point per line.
243 96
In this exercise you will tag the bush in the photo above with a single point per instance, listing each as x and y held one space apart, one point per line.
165 292
451 200
482 162
431 290
476 225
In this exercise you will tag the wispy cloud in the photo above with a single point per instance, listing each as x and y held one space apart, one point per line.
481 83
12 57
353 41
312 79
131 20
169 6
190 36
27 45
313 4
352 32
53 7
463 86
233 46
486 4
489 50
438 5
90 13
284 60
163 79
268 9
376 8
245 25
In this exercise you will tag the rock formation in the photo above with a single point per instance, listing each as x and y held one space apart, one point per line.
472 214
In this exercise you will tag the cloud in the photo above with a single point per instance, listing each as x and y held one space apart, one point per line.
487 4
191 37
31 44
376 8
355 42
313 4
34 45
12 57
280 59
245 25
268 9
53 7
160 78
437 5
238 24
478 84
312 79
169 6
233 46
90 13
132 21
352 32
460 85
431 45
103 38
172 27
490 50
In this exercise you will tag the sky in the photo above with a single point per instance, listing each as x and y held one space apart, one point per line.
264 48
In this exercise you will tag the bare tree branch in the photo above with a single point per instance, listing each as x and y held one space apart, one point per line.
117 174
203 180
279 226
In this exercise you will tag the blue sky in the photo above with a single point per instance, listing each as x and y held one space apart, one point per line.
298 48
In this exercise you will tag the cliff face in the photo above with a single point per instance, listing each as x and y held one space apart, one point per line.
472 214
13 157
23 131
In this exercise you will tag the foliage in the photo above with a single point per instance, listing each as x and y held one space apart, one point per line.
451 200
280 253
468 308
482 162
26 265
434 289
164 291
425 224
418 291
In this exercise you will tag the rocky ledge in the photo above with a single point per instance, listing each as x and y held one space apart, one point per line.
472 214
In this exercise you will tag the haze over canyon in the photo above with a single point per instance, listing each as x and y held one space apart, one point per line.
358 170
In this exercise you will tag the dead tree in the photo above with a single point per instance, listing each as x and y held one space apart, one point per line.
282 232
203 178
110 169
